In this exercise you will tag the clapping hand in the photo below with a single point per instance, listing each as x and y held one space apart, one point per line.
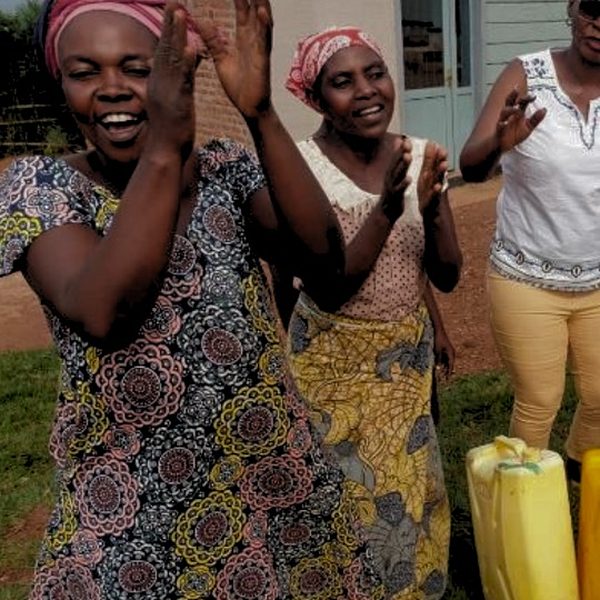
396 181
243 65
170 103
432 175
513 126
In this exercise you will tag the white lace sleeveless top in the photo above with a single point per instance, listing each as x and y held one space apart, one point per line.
395 285
548 212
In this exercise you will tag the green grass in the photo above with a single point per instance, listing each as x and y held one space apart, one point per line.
473 411
13 592
27 393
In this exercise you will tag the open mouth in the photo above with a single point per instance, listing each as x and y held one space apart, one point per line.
121 127
370 111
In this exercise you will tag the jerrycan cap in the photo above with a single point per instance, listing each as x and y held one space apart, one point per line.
517 454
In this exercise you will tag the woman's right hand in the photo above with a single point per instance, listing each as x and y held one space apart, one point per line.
444 353
501 125
170 101
396 181
513 127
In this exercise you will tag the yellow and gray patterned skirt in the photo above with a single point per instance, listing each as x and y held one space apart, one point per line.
368 385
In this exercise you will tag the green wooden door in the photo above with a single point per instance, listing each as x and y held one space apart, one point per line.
438 73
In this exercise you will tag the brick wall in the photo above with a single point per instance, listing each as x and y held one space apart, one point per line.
215 115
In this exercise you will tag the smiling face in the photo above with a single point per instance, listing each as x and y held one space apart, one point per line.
356 93
586 28
105 59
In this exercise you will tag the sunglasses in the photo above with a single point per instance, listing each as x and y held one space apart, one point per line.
589 9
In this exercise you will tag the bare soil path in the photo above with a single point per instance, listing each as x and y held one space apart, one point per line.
465 310
22 324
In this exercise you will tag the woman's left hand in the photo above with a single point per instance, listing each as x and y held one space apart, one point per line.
431 177
445 353
243 66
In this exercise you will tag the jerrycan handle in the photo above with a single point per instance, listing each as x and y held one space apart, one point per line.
508 447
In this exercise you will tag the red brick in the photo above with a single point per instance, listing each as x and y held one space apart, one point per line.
215 115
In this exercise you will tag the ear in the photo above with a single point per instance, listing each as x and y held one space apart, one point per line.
315 101
571 9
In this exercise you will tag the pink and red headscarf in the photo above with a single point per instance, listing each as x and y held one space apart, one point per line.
315 50
149 13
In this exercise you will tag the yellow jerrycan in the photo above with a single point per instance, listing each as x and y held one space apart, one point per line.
522 522
588 539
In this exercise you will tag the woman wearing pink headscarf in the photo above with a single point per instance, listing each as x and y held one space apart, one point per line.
366 367
186 464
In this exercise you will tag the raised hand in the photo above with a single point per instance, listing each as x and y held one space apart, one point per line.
431 177
244 66
170 103
513 126
396 181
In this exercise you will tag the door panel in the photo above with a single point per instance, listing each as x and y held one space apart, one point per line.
426 117
464 116
438 101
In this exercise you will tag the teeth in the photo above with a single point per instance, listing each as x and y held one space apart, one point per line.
117 118
369 111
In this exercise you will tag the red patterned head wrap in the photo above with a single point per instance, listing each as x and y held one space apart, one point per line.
315 50
147 12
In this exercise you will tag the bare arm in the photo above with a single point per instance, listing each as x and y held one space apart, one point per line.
442 254
442 346
501 124
98 282
442 259
432 308
364 248
284 291
362 251
295 216
296 219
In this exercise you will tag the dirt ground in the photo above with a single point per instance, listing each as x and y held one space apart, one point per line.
22 324
465 310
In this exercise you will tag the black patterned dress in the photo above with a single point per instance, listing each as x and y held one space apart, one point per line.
186 464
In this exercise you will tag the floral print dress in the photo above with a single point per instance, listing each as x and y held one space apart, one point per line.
186 463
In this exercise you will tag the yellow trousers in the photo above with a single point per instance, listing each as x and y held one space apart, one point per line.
535 330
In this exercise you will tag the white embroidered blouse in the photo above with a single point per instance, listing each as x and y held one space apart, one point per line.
548 211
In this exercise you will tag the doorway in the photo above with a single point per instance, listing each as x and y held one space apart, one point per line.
438 71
